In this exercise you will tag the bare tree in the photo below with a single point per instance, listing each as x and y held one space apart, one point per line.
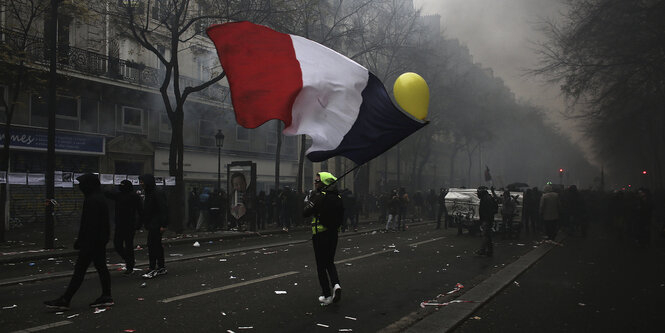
167 29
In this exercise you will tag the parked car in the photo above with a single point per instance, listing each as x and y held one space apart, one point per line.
462 205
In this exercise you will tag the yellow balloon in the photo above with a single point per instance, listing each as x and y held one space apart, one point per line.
412 94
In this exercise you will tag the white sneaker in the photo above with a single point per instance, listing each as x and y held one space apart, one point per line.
325 300
337 293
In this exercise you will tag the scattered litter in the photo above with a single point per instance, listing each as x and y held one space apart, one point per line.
232 277
129 330
516 283
222 259
348 264
196 244
520 244
295 284
476 318
323 325
144 284
581 304
140 299
72 316
176 254
31 264
430 303
391 245
50 259
350 318
374 232
396 251
459 256
280 292
59 313
203 284
10 307
245 327
346 329
99 310
223 313
209 242
273 252
229 331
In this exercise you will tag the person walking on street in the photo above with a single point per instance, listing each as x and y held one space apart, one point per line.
487 208
443 211
327 210
393 209
91 244
404 204
155 220
193 208
508 208
550 207
127 207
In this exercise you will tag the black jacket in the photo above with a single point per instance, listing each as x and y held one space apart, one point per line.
327 207
94 229
155 210
127 206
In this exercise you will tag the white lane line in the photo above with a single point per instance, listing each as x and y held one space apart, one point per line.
45 327
362 256
427 241
231 286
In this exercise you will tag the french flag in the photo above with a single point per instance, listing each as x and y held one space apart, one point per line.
314 90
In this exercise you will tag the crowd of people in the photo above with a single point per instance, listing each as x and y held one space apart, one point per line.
329 211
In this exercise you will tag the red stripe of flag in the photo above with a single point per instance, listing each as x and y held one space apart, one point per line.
262 68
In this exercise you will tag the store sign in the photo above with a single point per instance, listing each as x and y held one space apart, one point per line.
29 138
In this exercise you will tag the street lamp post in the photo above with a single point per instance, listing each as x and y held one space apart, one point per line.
219 141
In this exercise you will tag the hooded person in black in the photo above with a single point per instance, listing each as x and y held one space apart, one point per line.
155 219
127 206
91 243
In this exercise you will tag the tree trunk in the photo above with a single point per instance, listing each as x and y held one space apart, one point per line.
301 164
277 153
177 195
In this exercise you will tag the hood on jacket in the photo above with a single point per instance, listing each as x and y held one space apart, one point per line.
126 186
148 181
88 183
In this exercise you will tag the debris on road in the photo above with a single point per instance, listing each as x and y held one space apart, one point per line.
475 318
323 325
350 318
197 244
516 283
143 285
10 307
72 316
280 292
99 310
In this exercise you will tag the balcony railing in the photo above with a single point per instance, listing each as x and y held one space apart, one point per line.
99 65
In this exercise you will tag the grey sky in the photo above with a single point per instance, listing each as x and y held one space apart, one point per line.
498 34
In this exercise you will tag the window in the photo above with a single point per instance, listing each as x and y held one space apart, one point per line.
207 133
132 118
67 112
242 134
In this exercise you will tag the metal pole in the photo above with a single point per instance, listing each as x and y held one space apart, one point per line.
49 231
219 168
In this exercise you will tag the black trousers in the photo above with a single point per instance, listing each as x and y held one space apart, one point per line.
487 245
325 245
85 257
551 228
123 242
155 249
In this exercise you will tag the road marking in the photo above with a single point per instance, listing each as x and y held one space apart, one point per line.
231 286
45 327
362 256
427 241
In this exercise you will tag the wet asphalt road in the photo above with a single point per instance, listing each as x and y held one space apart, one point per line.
233 287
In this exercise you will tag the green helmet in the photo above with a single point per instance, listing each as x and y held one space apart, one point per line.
327 178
